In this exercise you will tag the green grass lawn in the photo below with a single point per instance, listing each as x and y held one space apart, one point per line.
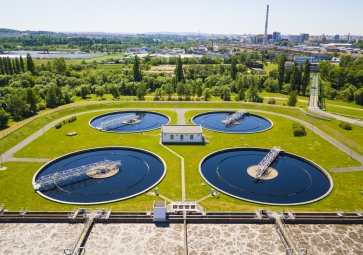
270 67
281 135
358 113
341 103
56 143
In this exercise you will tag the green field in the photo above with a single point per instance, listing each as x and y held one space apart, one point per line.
16 180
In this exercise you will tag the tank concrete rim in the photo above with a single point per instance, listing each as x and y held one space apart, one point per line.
95 149
137 111
263 117
264 149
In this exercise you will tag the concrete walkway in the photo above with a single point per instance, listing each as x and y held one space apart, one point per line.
8 155
182 170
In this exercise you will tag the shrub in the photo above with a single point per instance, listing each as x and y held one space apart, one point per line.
74 118
4 118
42 106
345 125
59 125
271 101
298 129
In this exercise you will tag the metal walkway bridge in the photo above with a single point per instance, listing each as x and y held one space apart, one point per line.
114 123
266 162
235 116
72 175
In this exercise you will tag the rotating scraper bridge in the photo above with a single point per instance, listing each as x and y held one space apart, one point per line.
231 119
74 174
115 123
266 162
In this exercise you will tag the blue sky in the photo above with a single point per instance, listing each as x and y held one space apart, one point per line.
207 16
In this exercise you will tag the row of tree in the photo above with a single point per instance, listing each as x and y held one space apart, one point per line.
16 66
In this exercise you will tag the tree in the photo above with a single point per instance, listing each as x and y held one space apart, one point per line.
32 100
225 93
199 87
292 98
141 91
358 96
85 90
114 91
99 91
271 85
206 94
17 65
325 68
137 70
10 67
21 64
16 105
306 77
2 70
234 68
179 70
4 118
180 89
51 97
30 64
281 70
59 65
347 95
252 94
168 89
294 78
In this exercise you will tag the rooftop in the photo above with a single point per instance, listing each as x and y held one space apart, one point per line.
181 129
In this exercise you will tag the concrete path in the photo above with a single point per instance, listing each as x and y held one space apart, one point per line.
182 170
7 156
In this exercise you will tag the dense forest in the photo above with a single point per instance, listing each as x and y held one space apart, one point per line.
345 81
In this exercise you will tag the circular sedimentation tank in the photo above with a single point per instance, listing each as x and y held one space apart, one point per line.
134 172
129 121
297 181
215 121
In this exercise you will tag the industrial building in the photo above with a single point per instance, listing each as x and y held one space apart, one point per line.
182 134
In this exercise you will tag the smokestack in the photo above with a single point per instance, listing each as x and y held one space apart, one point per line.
266 25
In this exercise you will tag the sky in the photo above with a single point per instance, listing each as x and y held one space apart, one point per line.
315 17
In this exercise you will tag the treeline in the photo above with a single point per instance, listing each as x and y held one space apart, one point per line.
23 93
47 43
345 81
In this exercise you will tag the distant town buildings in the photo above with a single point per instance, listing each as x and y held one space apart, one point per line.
276 36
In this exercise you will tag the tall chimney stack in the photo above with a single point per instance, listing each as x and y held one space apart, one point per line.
266 25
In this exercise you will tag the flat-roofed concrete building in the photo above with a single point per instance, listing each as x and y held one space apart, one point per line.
159 211
182 134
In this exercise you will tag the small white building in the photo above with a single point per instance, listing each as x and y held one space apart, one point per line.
182 134
159 211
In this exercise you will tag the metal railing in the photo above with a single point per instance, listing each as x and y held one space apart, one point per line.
340 212
23 211
74 214
359 212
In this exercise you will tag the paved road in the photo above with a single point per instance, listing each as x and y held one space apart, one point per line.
7 156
